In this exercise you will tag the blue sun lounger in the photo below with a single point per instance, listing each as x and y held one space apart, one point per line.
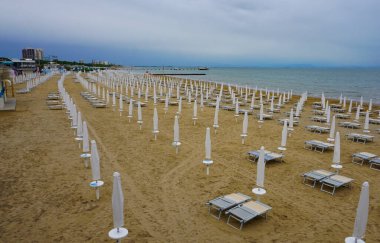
254 156
223 203
315 176
317 145
374 163
245 212
335 182
360 158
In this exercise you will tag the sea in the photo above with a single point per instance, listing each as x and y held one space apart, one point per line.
352 83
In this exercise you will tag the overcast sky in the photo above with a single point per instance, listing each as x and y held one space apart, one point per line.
196 32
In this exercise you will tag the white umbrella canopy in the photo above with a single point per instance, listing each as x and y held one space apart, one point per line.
366 122
291 120
350 107
284 134
361 215
336 158
261 113
121 103
117 210
80 125
208 144
370 105
166 103
261 168
176 130
86 147
357 116
117 201
245 128
139 114
332 130
113 99
253 101
328 115
155 123
179 106
95 167
216 119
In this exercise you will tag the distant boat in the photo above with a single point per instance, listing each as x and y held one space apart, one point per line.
203 68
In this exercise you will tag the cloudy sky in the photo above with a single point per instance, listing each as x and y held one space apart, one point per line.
196 32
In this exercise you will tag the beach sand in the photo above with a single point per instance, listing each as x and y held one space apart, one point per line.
45 193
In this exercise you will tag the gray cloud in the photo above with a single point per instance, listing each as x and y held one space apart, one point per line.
333 32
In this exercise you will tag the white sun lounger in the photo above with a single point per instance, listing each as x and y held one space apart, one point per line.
374 121
335 182
375 163
318 112
315 176
342 116
318 145
268 156
295 121
360 158
245 212
266 116
319 119
223 203
349 125
357 137
334 106
55 107
317 129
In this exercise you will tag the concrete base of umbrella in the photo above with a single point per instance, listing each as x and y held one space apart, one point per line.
282 149
236 117
155 132
129 118
353 240
79 139
96 185
260 123
259 192
195 120
176 145
215 126
85 156
140 124
207 162
118 234
337 167
243 136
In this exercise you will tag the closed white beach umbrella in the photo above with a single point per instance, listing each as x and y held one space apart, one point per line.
79 125
261 168
236 108
107 97
176 143
195 111
179 106
245 128
332 130
117 210
114 100
290 128
357 116
370 105
85 146
336 159
155 123
328 115
284 135
361 101
261 119
216 120
207 161
95 168
366 122
139 114
253 101
130 110
350 107
361 216
202 102
121 104
166 103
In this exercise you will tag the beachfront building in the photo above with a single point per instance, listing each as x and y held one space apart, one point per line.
33 53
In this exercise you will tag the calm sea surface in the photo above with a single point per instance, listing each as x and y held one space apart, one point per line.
351 82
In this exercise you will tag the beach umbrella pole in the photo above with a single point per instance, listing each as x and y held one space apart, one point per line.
85 156
97 184
207 162
118 234
243 136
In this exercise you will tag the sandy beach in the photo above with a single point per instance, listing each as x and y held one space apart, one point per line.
45 193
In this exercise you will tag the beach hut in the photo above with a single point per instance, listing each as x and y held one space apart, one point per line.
118 232
95 168
176 142
259 189
361 216
208 161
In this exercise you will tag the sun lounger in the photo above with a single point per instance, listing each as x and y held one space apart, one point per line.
349 125
53 102
318 112
338 110
317 129
374 121
295 121
357 137
23 91
275 110
317 105
228 108
55 107
335 182
254 156
375 162
342 116
266 116
318 145
315 176
336 106
242 111
245 212
294 114
319 119
223 203
359 158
